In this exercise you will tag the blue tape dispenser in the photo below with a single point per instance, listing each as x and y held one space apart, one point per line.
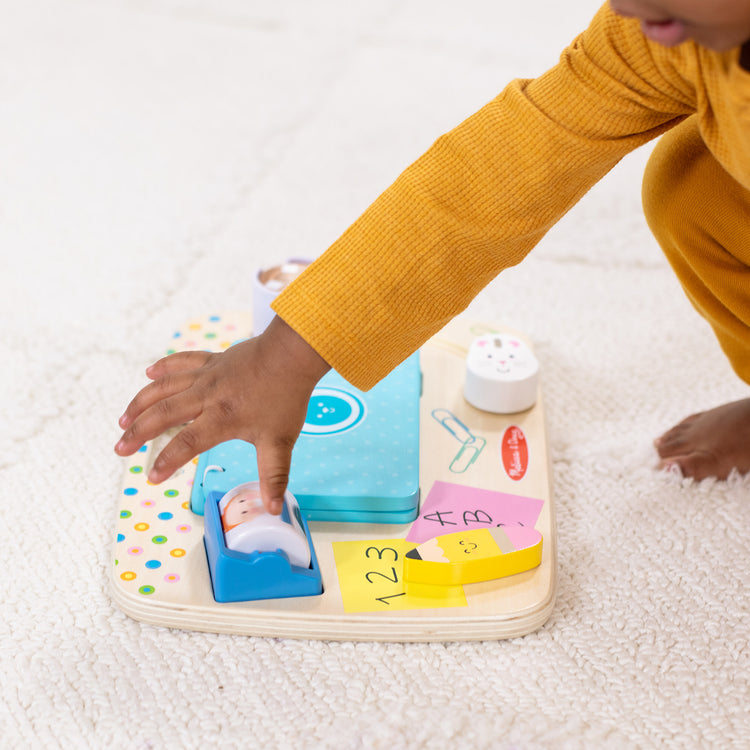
255 555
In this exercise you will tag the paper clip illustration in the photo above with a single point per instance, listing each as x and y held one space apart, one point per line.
467 455
471 445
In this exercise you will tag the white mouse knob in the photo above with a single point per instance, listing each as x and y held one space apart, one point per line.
502 374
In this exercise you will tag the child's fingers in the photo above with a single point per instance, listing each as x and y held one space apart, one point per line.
178 362
161 415
274 461
185 445
156 391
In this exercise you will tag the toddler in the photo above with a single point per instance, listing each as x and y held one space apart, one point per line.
476 203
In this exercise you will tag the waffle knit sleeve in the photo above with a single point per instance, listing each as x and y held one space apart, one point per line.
483 195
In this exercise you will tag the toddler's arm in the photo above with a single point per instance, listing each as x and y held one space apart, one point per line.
483 195
256 391
473 205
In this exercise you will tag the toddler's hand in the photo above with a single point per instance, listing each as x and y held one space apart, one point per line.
256 390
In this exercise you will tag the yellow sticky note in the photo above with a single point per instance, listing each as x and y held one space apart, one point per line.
371 579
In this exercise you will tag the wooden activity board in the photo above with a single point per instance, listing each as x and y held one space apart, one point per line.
475 469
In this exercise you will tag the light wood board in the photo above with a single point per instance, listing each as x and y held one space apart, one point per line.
159 572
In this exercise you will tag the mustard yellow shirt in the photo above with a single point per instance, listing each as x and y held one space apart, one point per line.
485 193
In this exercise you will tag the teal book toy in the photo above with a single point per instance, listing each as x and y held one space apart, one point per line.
356 460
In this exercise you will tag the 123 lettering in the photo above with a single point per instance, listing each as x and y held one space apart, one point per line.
385 577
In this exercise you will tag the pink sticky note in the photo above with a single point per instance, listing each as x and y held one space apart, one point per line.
454 507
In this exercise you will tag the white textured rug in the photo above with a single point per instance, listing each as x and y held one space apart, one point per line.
154 153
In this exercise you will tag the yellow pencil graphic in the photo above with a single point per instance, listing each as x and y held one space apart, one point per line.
474 555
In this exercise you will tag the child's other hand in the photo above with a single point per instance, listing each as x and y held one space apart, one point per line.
256 391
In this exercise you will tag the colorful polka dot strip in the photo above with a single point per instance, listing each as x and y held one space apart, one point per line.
153 518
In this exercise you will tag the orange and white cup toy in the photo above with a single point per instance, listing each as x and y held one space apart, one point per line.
267 284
